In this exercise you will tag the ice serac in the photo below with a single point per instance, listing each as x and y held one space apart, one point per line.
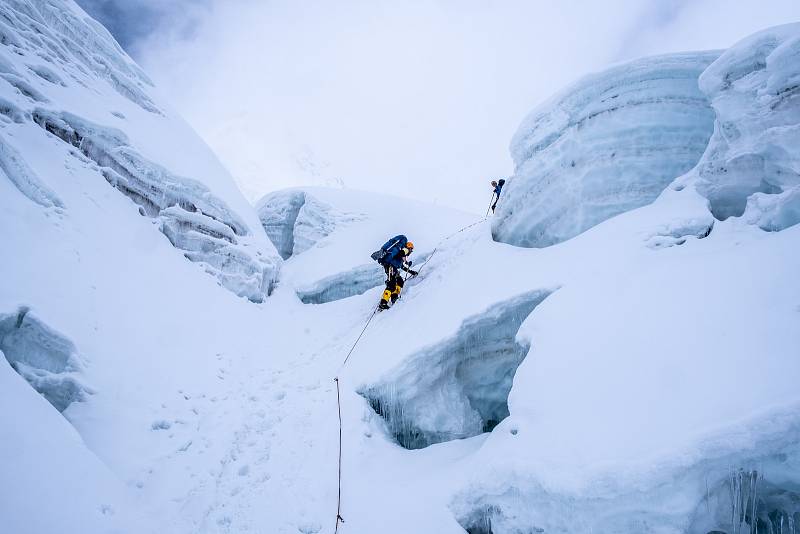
64 78
43 357
458 388
608 144
752 165
295 220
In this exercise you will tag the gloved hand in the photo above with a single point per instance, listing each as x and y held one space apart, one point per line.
412 272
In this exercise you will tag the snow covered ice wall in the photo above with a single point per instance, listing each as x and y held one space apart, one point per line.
295 220
608 144
63 75
43 357
752 164
459 387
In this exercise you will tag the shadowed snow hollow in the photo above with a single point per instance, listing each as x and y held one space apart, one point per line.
752 165
608 144
63 75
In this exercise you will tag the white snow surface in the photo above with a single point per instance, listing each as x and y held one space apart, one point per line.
71 102
609 143
651 389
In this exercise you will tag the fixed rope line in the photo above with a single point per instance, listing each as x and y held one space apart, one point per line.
339 518
358 338
448 237
339 495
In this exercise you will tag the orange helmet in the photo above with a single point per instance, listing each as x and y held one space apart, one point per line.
410 245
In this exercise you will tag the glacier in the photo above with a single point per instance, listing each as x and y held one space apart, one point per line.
639 376
607 144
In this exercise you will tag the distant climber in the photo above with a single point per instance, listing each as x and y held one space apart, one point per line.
498 187
393 256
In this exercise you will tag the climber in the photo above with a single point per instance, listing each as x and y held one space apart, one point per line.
498 186
393 256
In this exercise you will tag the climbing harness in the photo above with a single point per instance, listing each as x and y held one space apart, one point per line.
339 518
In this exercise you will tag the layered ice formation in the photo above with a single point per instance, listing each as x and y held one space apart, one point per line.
458 388
43 357
295 220
752 165
608 144
63 74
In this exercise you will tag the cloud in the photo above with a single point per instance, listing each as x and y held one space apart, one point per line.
133 21
416 98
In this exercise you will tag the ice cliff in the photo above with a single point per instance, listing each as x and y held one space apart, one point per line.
752 165
64 78
609 143
295 220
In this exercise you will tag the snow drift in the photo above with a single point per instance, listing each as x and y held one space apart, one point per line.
609 143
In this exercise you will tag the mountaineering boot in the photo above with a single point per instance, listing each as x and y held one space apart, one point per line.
384 305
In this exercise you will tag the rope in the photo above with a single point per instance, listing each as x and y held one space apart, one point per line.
448 237
339 495
339 518
359 338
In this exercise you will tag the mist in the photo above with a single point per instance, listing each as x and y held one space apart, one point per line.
416 99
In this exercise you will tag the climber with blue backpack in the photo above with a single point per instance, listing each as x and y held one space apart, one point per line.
497 187
393 256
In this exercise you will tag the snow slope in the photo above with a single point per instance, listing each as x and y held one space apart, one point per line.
69 96
639 377
609 143
327 236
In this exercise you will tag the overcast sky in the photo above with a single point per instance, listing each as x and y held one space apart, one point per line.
414 98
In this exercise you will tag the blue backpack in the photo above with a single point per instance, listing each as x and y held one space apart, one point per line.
389 248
